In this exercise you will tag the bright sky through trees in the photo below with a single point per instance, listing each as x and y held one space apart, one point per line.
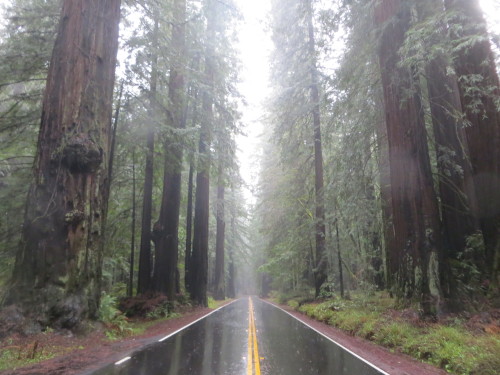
255 45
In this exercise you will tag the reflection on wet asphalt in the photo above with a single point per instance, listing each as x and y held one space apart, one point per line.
214 345
218 344
290 347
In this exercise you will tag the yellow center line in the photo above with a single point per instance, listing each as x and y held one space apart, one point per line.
250 333
253 349
256 357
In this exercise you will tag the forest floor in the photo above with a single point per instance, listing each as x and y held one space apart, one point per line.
74 354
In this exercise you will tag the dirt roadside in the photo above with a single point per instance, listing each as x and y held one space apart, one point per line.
95 350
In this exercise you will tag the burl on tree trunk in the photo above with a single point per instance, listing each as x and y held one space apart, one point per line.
57 273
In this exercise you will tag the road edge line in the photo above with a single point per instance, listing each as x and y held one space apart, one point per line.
122 361
196 321
329 338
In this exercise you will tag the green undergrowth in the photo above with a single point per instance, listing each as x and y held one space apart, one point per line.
16 356
215 304
117 324
449 346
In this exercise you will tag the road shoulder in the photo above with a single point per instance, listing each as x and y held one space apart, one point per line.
94 350
392 363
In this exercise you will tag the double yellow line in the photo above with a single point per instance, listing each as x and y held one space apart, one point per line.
253 365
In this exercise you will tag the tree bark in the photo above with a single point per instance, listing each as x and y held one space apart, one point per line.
57 274
220 285
132 240
386 200
144 283
320 271
231 288
199 264
113 134
339 255
189 233
414 204
231 277
166 231
199 258
189 209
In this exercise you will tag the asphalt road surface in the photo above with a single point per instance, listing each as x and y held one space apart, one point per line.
246 337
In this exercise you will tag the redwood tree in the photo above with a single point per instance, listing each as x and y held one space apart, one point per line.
321 258
415 216
58 264
166 229
219 284
199 255
456 192
189 229
144 282
193 90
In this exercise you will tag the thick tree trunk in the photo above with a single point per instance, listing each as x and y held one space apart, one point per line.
58 265
231 281
130 290
220 285
231 277
166 231
145 283
199 258
189 209
199 264
414 203
483 133
189 233
113 135
320 271
231 290
339 256
390 257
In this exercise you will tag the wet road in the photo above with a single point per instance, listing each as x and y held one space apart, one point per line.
243 338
